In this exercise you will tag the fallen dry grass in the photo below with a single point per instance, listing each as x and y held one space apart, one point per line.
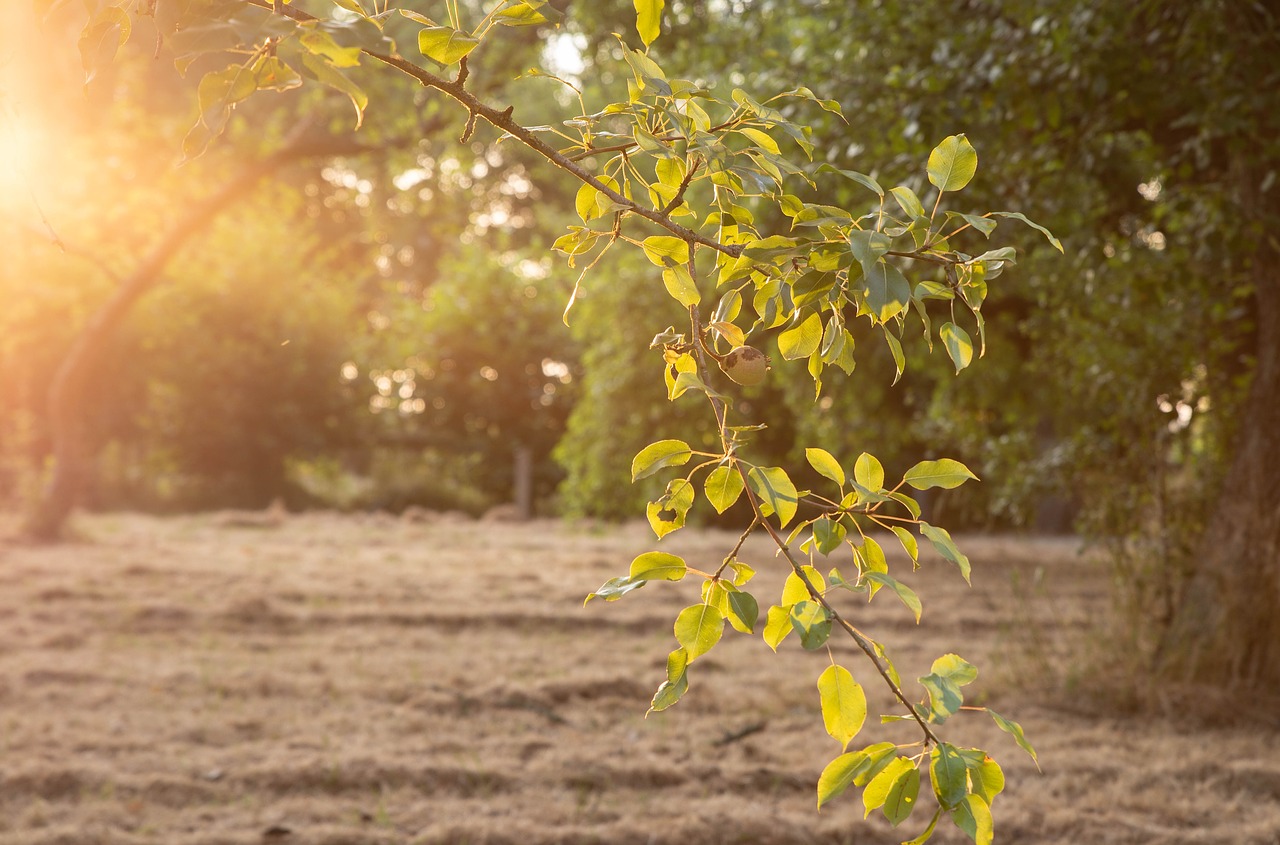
370 680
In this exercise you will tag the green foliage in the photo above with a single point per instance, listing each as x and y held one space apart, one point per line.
220 419
844 704
716 192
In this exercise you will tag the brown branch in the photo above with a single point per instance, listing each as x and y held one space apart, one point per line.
933 259
617 148
684 186
502 119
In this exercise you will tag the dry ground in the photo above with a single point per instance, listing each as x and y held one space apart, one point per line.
371 680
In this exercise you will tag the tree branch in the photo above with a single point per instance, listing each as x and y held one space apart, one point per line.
502 119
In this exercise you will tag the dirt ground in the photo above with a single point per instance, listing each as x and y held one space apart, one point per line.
348 679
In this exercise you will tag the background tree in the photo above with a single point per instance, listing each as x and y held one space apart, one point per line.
339 244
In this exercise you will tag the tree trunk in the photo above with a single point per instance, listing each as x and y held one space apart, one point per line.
1227 631
67 413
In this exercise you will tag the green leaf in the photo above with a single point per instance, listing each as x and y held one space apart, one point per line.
671 172
104 34
666 251
1001 255
888 291
872 558
944 473
928 831
825 464
321 43
656 456
777 494
952 163
698 628
221 89
903 592
762 140
868 472
1015 730
668 513
829 534
271 74
881 754
445 45
812 622
949 775
683 365
946 547
973 816
690 380
614 589
731 333
868 247
861 178
895 349
742 573
681 285
958 344
908 201
945 697
985 225
955 668
723 487
528 13
658 566
794 590
777 625
328 75
801 341
590 203
844 705
1042 230
676 684
743 610
840 773
576 242
907 540
901 799
877 791
649 20
912 506
986 779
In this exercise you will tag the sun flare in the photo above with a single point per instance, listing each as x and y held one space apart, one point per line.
18 148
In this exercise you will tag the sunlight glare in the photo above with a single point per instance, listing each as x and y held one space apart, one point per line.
19 146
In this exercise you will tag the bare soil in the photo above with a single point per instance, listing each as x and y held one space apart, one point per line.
347 679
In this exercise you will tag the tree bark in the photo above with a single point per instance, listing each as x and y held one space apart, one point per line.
67 413
1227 631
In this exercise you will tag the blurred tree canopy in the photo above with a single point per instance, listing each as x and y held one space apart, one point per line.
274 354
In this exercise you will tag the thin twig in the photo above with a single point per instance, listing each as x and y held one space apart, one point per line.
741 733
684 186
